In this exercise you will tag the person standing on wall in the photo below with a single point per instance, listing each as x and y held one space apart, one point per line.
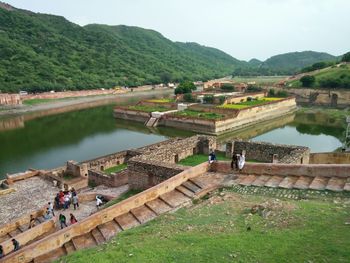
212 156
241 161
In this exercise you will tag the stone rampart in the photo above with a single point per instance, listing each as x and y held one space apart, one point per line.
240 98
268 152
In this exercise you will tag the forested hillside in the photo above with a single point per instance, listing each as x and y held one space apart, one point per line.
41 52
284 64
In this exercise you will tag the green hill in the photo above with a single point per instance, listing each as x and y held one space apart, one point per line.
294 61
42 52
337 76
283 64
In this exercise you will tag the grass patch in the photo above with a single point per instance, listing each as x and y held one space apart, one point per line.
115 169
32 102
162 100
147 108
246 104
215 230
199 114
196 159
122 197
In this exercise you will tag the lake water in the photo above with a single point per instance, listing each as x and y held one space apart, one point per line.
49 141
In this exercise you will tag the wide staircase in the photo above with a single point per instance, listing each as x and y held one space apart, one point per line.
180 196
296 182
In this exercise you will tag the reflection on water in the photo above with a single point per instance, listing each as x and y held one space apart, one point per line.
50 141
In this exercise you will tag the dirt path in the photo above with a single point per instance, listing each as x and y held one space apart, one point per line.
89 101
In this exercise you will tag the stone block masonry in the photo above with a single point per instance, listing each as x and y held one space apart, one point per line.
10 99
112 180
159 163
269 152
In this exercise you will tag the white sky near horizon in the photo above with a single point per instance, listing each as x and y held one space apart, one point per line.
244 29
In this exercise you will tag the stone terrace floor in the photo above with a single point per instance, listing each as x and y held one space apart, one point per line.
34 193
31 194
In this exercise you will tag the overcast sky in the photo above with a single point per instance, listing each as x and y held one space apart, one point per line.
244 29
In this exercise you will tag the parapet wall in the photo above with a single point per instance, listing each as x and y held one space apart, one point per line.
268 152
111 180
273 169
330 158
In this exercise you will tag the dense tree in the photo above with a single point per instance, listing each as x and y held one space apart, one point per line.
43 52
307 80
346 57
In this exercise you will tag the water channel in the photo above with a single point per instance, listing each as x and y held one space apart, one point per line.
29 141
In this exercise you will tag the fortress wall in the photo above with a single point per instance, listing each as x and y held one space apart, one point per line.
132 115
238 99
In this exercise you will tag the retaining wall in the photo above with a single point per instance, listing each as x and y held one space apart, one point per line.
10 99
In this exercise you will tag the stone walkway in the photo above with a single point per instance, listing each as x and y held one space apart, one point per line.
31 194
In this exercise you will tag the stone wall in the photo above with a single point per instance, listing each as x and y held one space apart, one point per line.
268 152
65 94
10 99
240 98
159 163
112 180
330 158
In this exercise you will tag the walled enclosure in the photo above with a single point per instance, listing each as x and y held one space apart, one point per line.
269 152
159 163
235 119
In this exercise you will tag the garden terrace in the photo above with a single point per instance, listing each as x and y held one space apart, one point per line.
251 103
188 113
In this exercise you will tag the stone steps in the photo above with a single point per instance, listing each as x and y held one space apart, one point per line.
295 182
176 198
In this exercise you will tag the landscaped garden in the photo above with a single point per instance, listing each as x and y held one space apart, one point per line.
246 104
148 108
162 100
196 159
199 114
115 169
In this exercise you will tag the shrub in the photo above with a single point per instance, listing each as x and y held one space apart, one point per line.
227 87
271 93
282 94
208 99
307 80
346 57
251 89
188 97
222 99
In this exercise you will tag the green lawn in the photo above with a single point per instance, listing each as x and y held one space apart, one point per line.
223 229
147 108
196 159
199 114
246 104
115 169
32 102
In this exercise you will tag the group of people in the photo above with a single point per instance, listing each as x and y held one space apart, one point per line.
237 163
64 199
15 244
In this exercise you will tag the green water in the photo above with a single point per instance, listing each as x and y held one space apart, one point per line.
48 142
